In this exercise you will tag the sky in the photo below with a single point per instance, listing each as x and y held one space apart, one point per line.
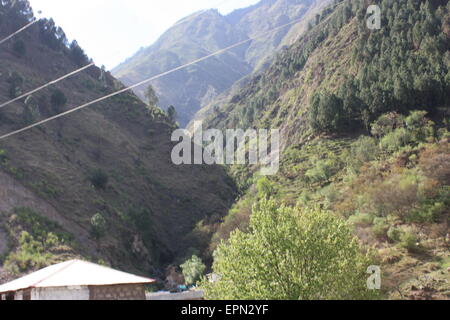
111 31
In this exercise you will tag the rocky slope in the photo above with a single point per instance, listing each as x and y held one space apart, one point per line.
98 183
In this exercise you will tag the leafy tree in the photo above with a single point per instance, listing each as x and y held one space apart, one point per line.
327 113
150 95
290 254
193 269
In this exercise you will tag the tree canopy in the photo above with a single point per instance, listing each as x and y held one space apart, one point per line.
289 254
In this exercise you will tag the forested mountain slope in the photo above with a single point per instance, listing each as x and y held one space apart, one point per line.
100 182
364 116
201 34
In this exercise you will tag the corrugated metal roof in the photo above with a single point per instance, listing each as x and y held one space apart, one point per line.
73 273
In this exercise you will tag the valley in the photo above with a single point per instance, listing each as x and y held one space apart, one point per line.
363 177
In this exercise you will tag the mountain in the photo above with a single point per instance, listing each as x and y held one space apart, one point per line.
98 183
201 34
364 123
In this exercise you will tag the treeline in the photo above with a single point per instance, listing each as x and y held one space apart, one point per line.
14 14
402 67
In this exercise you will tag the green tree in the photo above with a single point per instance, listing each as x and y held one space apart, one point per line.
77 54
326 113
193 269
172 114
290 254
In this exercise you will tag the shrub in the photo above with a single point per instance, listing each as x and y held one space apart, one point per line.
409 241
323 170
361 219
193 269
266 188
386 124
394 234
98 224
395 140
363 150
290 254
32 253
58 100
99 179
380 227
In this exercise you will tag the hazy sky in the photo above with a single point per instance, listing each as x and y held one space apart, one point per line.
112 30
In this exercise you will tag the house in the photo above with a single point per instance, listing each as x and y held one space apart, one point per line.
76 280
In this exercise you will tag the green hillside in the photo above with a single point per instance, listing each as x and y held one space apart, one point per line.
364 116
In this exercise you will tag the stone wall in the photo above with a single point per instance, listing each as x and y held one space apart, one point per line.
62 293
117 292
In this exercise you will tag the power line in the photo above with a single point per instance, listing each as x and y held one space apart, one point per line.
18 31
46 85
149 79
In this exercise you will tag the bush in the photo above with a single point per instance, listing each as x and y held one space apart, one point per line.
58 100
98 224
395 140
394 234
266 188
380 227
409 241
363 150
193 269
99 179
361 219
290 254
386 124
323 170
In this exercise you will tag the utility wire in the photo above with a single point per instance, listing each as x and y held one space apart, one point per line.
18 31
46 85
150 79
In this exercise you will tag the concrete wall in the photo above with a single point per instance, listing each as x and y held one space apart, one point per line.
63 293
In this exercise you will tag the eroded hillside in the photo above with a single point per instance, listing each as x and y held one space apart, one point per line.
98 183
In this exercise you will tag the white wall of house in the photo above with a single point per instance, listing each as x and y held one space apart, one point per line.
60 293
